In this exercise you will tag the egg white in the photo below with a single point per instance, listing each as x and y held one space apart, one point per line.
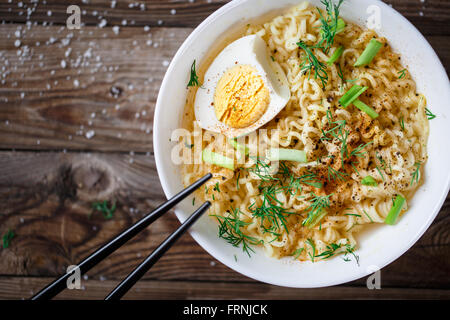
250 50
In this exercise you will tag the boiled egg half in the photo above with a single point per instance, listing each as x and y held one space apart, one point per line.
243 89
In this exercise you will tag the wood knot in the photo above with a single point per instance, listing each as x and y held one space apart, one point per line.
94 180
116 91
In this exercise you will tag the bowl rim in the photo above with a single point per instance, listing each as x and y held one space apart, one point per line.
158 160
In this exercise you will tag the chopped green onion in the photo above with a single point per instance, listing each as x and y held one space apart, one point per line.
217 159
275 154
351 95
239 147
340 25
395 210
369 181
318 185
369 53
311 222
336 54
365 108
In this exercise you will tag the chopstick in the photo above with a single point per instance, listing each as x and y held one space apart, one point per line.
60 283
137 273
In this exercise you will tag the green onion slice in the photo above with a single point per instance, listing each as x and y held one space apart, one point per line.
239 147
217 159
365 108
351 95
311 222
336 54
340 25
395 210
275 154
369 53
369 181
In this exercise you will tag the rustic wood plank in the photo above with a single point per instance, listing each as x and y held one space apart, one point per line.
56 95
46 199
430 17
101 96
24 287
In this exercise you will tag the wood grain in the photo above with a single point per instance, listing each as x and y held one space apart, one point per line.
431 16
77 106
42 108
47 197
24 287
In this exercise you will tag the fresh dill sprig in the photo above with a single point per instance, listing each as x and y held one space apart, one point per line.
331 251
336 174
367 215
193 81
416 173
350 250
357 152
340 73
402 123
310 242
230 231
311 64
7 237
263 171
108 212
297 253
429 114
336 130
330 23
315 211
383 164
402 73
271 213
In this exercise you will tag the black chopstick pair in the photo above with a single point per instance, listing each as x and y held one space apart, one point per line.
60 283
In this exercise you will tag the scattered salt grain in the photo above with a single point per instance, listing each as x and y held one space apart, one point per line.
102 23
17 43
90 134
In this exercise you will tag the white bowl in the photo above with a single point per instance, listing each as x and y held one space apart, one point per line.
377 247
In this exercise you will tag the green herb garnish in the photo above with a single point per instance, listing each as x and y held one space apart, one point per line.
429 114
397 206
7 237
402 73
331 24
313 247
312 64
416 173
317 210
369 181
369 53
230 231
108 212
336 54
193 81
297 253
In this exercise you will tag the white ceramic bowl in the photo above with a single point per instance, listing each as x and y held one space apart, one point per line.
379 246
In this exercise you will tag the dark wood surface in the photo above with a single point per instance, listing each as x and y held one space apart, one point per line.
52 169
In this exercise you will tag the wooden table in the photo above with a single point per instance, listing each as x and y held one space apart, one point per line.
76 118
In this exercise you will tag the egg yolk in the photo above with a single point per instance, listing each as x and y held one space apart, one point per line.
241 97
